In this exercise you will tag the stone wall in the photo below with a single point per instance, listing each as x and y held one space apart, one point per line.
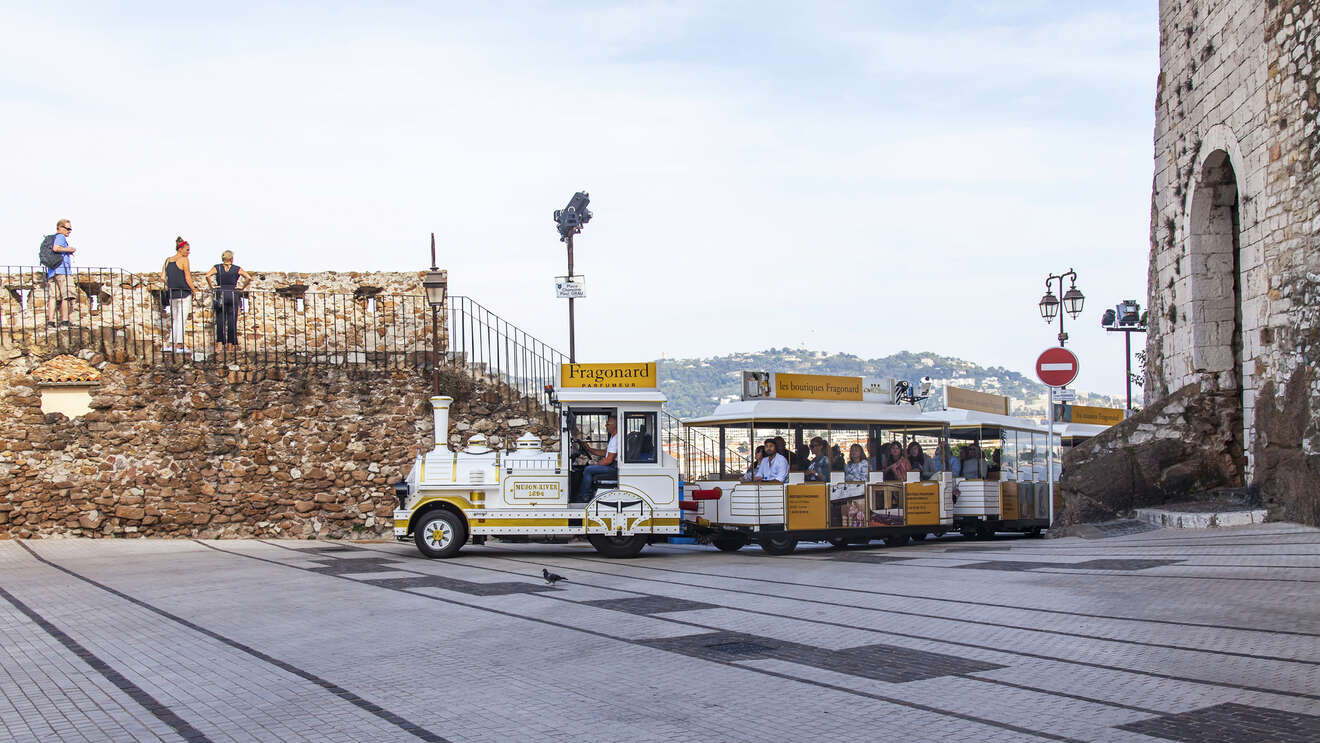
1234 275
271 452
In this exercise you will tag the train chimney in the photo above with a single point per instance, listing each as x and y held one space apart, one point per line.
440 408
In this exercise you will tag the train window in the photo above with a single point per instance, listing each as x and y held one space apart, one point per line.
845 436
587 427
930 441
639 438
1027 456
1009 443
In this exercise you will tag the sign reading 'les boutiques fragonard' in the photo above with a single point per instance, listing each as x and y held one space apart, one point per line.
608 375
800 386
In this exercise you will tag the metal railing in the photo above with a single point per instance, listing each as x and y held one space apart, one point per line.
128 316
698 455
489 344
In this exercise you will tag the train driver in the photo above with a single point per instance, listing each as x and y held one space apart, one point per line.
608 466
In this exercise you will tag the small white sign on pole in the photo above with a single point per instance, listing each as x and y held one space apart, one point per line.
1063 395
571 287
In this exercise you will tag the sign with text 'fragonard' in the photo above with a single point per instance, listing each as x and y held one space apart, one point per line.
817 387
965 399
608 375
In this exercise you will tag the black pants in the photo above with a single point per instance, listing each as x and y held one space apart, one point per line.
226 318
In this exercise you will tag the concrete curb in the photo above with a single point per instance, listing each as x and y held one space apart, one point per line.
1209 520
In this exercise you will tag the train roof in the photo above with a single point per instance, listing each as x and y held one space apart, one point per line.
777 410
1080 430
958 416
605 395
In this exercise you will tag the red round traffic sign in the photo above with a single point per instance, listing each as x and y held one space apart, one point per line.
1056 367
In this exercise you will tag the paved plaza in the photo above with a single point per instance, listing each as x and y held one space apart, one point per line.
1154 636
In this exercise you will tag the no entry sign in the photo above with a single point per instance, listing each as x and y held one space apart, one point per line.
1056 367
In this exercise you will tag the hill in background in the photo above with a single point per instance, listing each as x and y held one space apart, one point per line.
695 386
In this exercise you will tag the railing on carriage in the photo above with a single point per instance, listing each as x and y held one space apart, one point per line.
125 316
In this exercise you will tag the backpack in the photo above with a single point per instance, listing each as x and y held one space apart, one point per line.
49 258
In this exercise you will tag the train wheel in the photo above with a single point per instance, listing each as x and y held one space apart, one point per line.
839 543
1034 533
619 547
778 545
729 542
895 541
440 533
917 537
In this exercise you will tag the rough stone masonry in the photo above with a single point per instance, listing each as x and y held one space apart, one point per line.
1234 275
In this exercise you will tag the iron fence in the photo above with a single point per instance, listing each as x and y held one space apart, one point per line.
489 344
129 316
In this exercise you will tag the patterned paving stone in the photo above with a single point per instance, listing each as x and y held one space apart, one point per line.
649 605
1121 564
461 586
881 662
1232 723
1011 565
867 557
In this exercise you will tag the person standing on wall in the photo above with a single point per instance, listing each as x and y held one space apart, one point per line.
225 304
59 280
179 288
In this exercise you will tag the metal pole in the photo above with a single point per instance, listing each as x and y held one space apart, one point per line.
1062 335
1127 365
435 333
572 339
1049 457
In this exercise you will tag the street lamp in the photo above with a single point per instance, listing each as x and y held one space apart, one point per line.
1073 299
569 221
1125 318
434 284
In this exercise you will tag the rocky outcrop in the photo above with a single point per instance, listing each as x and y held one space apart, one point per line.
1287 472
1183 444
201 451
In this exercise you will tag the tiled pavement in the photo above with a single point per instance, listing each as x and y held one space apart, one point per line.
1147 636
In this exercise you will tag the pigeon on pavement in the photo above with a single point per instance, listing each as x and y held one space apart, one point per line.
551 578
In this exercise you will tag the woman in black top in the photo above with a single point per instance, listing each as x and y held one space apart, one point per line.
179 289
225 304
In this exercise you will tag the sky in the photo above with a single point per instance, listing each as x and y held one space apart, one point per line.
852 177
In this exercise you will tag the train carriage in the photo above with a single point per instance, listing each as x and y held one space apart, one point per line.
1004 487
846 508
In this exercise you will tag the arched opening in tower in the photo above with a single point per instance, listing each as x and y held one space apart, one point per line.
1214 250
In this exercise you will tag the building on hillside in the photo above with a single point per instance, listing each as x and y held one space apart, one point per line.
1234 275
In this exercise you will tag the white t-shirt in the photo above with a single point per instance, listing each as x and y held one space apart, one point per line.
613 447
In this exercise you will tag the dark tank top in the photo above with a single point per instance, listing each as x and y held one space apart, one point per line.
175 281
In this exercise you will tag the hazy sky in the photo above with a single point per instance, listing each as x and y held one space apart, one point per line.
862 177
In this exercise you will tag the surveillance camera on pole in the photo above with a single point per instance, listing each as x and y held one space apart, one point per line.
1125 318
569 222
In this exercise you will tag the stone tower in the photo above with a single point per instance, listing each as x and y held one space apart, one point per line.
1234 276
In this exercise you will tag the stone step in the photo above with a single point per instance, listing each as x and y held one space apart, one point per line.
1201 519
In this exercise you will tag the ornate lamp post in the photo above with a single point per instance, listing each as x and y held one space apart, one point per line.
1072 301
434 284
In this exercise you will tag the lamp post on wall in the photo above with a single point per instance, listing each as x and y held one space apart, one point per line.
1126 318
1072 301
434 284
569 222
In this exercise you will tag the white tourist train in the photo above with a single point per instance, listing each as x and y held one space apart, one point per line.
860 462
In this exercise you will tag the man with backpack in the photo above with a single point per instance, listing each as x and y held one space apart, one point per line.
57 258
